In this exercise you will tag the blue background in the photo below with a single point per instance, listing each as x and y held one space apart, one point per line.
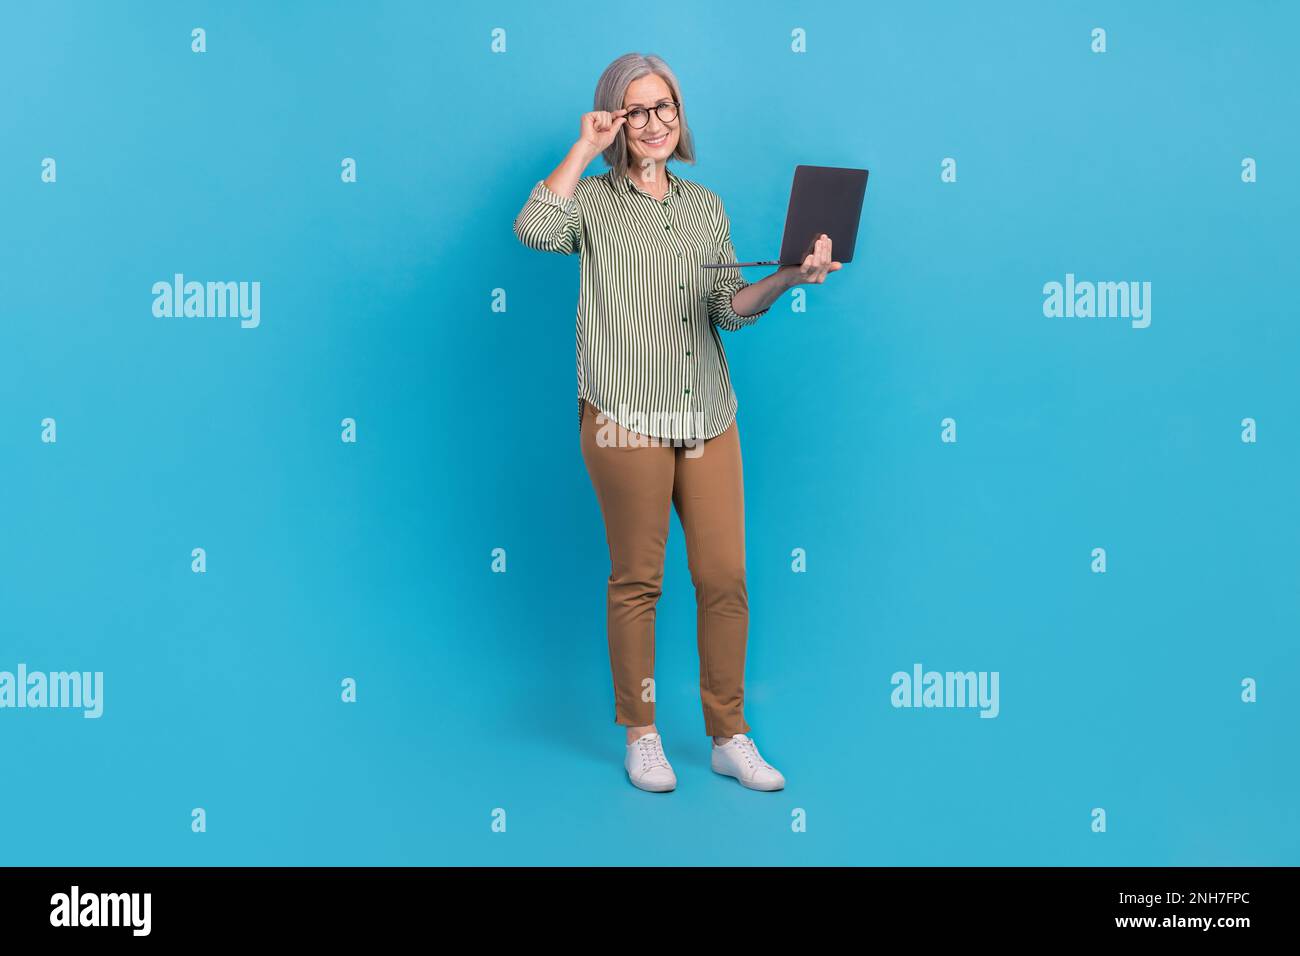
481 690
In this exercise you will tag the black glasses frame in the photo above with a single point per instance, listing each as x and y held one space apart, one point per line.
671 104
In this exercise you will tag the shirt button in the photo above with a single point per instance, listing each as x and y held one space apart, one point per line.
683 318
688 391
681 287
688 353
666 226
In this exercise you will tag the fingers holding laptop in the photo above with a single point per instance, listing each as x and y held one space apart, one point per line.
816 265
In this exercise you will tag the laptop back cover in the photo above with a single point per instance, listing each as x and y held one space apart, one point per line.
823 199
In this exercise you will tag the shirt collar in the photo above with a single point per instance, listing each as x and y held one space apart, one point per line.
674 184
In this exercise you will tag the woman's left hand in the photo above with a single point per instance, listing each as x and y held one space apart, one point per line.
815 267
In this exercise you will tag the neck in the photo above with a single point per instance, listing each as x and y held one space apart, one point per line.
652 177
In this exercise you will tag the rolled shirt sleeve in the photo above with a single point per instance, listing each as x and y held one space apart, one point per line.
550 222
730 281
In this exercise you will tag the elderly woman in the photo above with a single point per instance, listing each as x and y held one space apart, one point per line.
656 409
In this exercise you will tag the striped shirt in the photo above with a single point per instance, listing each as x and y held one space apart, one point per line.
648 349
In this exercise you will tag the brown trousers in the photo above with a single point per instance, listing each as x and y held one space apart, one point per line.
636 487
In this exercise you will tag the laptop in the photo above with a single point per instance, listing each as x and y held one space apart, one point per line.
822 199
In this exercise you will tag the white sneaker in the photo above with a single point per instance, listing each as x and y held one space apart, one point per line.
647 767
739 758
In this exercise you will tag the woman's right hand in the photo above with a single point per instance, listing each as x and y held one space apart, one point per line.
599 129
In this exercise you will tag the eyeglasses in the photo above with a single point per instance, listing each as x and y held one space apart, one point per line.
638 117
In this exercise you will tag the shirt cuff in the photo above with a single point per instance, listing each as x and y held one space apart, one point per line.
543 193
727 317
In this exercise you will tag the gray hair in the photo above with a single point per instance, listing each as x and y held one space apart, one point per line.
612 88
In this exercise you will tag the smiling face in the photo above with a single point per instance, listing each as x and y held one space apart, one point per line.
657 140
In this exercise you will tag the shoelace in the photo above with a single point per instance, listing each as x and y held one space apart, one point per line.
651 750
750 752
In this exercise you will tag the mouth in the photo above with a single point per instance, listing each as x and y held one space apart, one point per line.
654 143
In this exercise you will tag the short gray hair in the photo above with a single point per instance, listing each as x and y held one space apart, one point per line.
612 88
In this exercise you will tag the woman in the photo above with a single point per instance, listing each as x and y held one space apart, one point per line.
656 410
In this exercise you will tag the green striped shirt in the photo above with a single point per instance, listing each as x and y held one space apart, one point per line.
649 353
